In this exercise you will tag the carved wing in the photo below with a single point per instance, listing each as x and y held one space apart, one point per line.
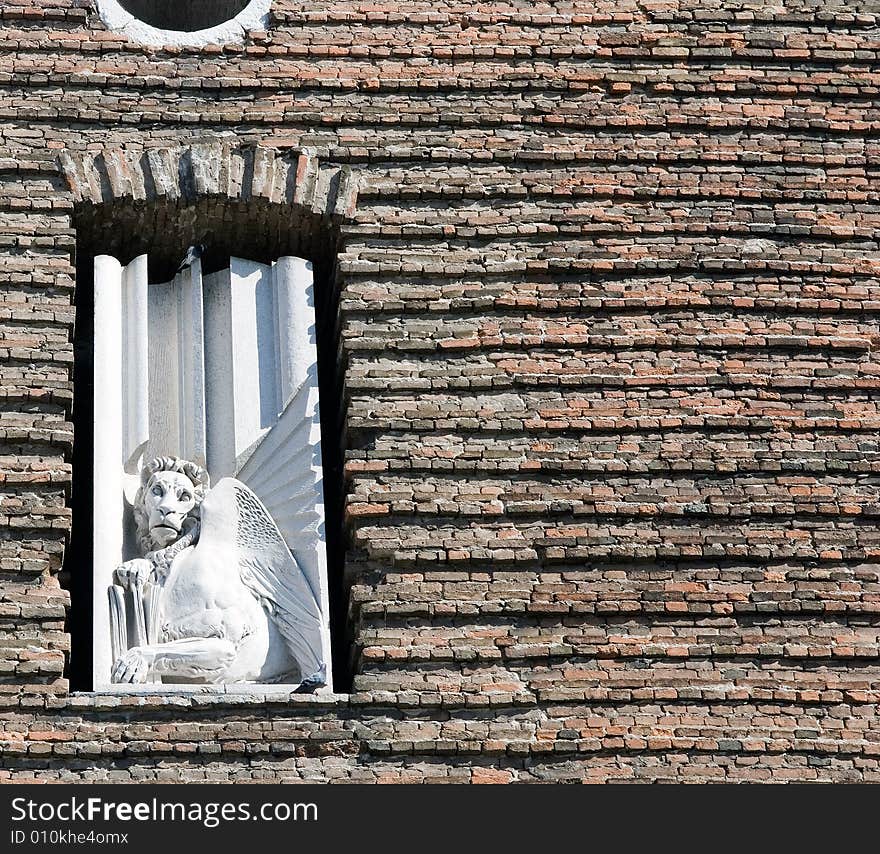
232 513
284 470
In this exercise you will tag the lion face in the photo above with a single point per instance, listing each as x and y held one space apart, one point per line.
167 504
169 497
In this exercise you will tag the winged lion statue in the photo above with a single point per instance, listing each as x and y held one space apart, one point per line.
217 597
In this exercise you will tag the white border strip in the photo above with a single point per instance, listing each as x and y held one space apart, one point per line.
255 16
244 691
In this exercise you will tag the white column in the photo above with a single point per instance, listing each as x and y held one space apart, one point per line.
242 363
107 503
253 362
164 371
295 322
191 342
177 368
219 386
135 363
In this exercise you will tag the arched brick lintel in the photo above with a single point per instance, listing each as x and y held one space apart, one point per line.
190 173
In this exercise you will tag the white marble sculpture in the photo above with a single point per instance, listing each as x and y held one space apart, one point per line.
219 371
217 596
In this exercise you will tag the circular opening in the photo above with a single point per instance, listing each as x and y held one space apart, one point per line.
184 15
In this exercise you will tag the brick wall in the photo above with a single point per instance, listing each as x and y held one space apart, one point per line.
608 308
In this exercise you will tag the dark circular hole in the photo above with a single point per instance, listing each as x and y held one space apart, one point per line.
184 15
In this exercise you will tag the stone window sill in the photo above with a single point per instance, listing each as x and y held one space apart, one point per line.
165 696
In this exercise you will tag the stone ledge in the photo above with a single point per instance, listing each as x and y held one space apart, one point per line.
195 696
187 174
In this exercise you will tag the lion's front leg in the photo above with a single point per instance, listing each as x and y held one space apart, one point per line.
205 658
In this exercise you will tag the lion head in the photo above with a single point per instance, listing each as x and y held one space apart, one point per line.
167 503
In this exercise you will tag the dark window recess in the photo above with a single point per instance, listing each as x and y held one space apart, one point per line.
185 16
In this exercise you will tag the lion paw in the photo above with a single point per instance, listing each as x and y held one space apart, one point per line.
133 667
